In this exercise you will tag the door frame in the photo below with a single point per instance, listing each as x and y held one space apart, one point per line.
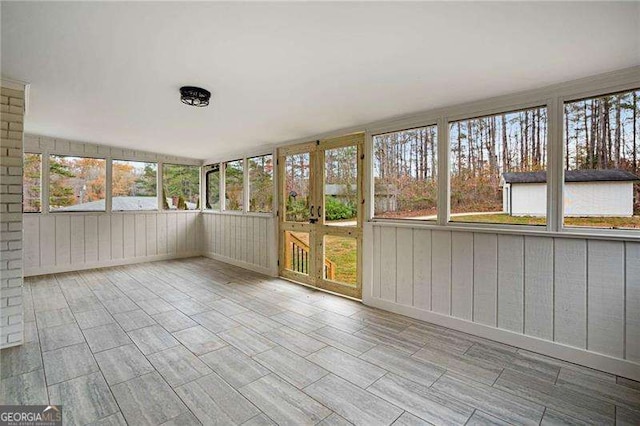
315 277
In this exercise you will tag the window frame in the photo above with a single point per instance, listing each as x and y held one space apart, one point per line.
371 173
160 175
223 193
588 93
208 169
41 180
553 98
107 183
158 185
274 172
245 162
499 111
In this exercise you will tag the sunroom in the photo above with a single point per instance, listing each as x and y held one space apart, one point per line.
320 213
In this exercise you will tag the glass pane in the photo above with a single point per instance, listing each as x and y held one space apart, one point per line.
77 183
180 187
296 251
234 185
32 183
498 168
405 168
134 186
340 259
341 186
601 183
213 187
296 175
261 184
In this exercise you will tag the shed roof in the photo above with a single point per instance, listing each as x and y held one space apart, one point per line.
610 175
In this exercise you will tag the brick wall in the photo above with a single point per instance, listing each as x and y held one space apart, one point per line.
11 142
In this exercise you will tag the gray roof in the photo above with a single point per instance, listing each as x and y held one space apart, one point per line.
117 203
121 204
611 175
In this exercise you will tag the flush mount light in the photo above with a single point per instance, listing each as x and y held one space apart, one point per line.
194 96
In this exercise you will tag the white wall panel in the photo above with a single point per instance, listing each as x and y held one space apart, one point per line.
117 232
388 264
141 235
462 275
31 252
511 282
104 238
421 268
441 272
485 274
151 234
538 287
376 262
404 268
129 236
632 321
606 297
63 239
91 239
582 294
243 240
66 242
570 278
77 240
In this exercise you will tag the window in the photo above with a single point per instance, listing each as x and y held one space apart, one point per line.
212 183
76 183
180 187
134 186
405 174
234 185
261 184
601 185
32 183
498 168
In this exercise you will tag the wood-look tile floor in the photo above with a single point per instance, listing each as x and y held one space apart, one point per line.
196 341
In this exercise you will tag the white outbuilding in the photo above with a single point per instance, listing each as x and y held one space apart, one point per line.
586 193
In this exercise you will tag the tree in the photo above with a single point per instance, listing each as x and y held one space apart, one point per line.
60 192
181 180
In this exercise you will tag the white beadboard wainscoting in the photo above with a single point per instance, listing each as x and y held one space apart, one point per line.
244 240
60 242
573 298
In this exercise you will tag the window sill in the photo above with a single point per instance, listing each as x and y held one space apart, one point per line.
540 231
232 213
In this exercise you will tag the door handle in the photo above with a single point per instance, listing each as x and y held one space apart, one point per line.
311 211
319 211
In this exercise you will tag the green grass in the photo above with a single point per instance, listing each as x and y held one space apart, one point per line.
342 251
591 222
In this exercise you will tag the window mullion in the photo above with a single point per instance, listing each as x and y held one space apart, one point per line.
44 185
443 178
555 169
108 185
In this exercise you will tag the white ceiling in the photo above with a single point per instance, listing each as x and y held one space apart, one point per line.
110 72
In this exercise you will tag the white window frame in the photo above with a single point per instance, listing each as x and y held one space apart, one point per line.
158 187
245 188
553 99
248 183
107 184
562 100
160 176
371 174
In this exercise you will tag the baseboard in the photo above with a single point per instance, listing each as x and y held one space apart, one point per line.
241 264
56 269
606 363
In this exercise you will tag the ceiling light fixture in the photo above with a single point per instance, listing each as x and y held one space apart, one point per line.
194 96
